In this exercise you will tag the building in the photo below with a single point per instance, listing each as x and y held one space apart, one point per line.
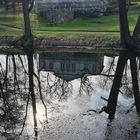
59 11
70 66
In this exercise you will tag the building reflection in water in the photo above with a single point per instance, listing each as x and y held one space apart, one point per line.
15 97
70 66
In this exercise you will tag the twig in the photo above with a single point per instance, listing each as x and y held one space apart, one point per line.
107 75
92 110
130 108
96 111
25 115
104 98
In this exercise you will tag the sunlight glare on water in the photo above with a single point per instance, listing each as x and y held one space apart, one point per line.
68 116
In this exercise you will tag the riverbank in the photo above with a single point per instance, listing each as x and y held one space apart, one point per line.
96 43
93 43
79 35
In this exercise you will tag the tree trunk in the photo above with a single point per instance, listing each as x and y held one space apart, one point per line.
31 90
113 97
27 26
134 75
124 26
136 33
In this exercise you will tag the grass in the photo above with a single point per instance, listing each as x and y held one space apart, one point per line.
104 23
15 33
101 37
41 28
135 3
97 38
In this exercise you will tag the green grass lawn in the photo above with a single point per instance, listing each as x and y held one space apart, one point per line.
15 33
109 23
103 23
65 36
40 26
135 3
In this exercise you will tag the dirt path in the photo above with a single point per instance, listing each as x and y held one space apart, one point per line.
6 27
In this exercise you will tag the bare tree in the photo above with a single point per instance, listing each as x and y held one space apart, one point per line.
127 40
27 7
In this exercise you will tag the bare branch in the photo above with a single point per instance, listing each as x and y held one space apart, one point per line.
31 6
26 112
104 98
136 33
130 108
107 75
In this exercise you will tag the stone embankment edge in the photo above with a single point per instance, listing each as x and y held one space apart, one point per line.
13 44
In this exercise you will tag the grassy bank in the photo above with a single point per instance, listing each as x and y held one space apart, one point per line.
103 23
76 29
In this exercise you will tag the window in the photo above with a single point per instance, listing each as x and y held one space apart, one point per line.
73 67
94 68
51 66
85 66
62 67
68 67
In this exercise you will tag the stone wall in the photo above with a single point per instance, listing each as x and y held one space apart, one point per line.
59 11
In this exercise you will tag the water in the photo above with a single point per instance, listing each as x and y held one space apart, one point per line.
71 86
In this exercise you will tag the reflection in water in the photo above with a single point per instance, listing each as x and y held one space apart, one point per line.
112 100
70 66
24 83
11 97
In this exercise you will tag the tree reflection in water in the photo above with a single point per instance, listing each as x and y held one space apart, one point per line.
21 86
56 87
117 82
11 98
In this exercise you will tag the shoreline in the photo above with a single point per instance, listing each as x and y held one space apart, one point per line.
54 44
10 44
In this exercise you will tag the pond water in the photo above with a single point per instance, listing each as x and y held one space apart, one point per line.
66 96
